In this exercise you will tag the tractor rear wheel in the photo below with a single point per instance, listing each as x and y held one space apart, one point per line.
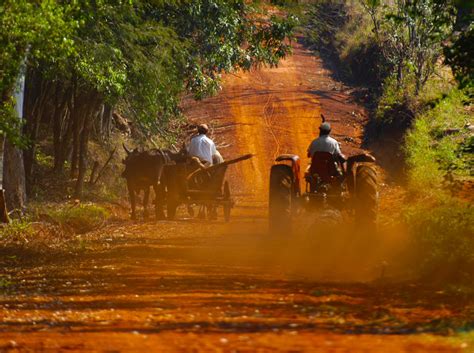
366 195
280 198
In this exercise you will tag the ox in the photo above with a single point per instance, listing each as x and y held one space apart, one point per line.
143 169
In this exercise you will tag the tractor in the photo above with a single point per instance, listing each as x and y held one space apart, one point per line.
330 183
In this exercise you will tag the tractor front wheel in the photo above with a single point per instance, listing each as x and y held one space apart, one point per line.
280 198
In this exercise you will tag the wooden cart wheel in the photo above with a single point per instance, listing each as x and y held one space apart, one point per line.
227 205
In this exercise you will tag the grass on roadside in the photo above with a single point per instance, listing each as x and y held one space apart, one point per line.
80 218
51 229
440 144
443 230
439 157
17 230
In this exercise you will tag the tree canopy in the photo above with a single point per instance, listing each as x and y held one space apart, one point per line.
139 54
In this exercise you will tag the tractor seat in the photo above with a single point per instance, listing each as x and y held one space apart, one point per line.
324 165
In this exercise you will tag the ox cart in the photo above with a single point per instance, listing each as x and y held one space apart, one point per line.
202 187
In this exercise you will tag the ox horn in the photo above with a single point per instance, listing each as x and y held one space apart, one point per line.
126 149
323 118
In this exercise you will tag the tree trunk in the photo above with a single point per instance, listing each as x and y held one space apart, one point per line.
3 208
64 141
33 120
58 112
14 177
82 155
107 120
3 205
62 129
13 163
75 140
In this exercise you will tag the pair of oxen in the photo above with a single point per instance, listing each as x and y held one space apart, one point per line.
160 169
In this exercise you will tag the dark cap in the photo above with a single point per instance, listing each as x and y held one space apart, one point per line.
325 128
203 128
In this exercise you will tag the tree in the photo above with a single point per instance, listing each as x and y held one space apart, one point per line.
410 34
36 30
223 36
30 31
140 57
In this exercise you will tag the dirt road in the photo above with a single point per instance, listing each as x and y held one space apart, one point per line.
188 286
278 110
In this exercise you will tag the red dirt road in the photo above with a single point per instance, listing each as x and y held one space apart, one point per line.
187 286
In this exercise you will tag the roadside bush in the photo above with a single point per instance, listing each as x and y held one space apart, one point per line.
444 229
33 236
51 229
394 93
16 230
438 161
436 144
81 218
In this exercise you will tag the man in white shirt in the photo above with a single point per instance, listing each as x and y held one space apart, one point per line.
205 149
202 146
325 143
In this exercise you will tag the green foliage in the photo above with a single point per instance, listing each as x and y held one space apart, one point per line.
161 49
410 35
37 31
437 163
444 230
5 283
223 36
459 55
341 31
139 55
43 159
396 101
81 218
32 29
10 125
16 229
375 39
435 144
129 59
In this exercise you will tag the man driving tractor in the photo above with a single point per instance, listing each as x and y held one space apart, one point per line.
331 183
325 143
325 155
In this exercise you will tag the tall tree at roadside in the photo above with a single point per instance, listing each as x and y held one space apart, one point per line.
31 31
